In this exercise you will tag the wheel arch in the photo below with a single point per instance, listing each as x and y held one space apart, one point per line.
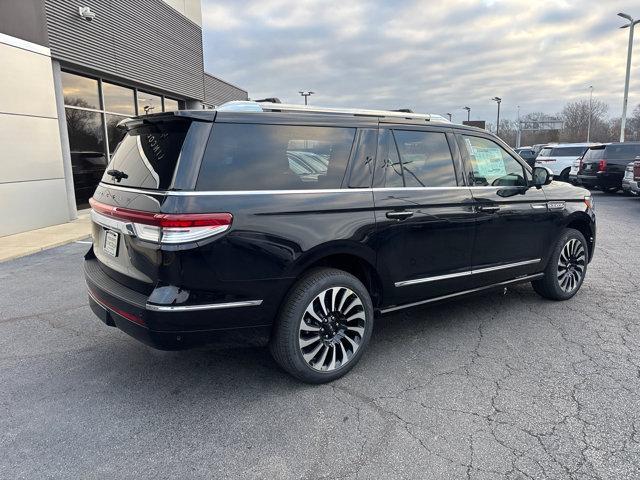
582 222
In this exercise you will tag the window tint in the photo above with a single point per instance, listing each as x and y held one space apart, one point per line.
148 155
389 161
491 165
617 152
271 157
594 153
545 152
426 159
568 151
363 159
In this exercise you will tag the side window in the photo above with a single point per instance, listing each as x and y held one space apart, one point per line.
390 166
363 160
426 159
275 157
491 165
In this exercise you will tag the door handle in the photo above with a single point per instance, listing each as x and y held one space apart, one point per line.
488 209
400 215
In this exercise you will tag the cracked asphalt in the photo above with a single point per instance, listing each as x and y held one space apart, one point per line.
503 385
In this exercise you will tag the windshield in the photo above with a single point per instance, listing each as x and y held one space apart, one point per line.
147 156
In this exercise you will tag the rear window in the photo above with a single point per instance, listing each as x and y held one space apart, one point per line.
593 154
275 157
562 152
623 152
147 156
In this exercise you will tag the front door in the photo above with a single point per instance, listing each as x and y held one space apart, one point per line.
512 220
424 215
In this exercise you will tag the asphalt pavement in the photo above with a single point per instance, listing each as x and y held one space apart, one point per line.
502 385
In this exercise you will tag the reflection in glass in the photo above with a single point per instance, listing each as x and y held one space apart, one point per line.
148 103
426 159
86 140
80 91
170 105
114 134
118 99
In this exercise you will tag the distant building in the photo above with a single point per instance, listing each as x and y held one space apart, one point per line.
71 70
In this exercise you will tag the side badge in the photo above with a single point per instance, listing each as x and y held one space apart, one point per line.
556 205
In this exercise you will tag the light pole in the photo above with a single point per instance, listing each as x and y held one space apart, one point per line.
519 134
468 109
498 100
449 115
306 95
590 109
632 23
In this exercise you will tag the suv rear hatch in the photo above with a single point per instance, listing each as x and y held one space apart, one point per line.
134 220
593 161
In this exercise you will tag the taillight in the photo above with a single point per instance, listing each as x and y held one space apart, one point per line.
167 228
636 170
602 165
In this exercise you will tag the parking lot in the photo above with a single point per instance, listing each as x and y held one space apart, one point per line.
503 385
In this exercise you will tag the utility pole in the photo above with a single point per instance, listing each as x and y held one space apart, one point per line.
468 109
632 23
590 110
306 95
498 100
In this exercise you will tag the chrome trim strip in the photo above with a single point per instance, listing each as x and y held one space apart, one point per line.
125 228
210 306
539 206
465 292
466 273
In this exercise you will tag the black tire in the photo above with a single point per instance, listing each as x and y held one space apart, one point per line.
564 175
308 312
552 285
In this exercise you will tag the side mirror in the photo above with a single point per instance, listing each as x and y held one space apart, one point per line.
541 176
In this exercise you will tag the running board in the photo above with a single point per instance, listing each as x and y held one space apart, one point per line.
526 278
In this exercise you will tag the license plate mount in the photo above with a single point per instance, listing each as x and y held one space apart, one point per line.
111 243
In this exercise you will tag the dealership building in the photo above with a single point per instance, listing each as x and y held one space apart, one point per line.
71 70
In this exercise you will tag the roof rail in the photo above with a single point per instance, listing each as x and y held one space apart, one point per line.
249 106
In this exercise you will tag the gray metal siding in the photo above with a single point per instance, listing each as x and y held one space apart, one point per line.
24 19
217 91
144 41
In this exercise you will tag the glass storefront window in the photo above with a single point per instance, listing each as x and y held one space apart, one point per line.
114 134
118 99
88 158
170 105
149 103
80 91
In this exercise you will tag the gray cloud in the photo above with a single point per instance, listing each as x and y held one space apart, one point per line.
433 56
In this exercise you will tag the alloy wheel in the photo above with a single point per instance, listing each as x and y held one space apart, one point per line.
571 265
332 328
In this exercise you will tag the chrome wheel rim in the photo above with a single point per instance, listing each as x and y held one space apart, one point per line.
331 329
571 265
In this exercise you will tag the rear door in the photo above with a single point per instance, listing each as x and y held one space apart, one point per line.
513 222
424 216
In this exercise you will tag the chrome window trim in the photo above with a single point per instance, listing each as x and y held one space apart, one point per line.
417 281
209 306
525 278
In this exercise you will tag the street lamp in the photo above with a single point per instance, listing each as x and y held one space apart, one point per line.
449 115
498 100
590 109
468 109
632 23
306 95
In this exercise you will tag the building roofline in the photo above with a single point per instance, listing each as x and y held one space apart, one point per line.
224 81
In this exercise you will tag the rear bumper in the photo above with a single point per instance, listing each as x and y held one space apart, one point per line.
167 327
600 180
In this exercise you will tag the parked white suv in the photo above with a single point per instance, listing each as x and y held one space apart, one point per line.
559 158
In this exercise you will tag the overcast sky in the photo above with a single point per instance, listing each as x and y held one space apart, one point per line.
431 56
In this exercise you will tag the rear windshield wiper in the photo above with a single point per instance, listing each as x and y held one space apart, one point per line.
117 175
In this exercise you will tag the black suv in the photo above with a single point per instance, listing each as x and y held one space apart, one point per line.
603 166
312 223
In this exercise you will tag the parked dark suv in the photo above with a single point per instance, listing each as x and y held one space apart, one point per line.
312 223
603 166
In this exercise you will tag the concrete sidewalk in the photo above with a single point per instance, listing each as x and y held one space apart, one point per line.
26 243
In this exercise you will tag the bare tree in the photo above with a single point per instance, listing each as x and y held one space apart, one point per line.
576 120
